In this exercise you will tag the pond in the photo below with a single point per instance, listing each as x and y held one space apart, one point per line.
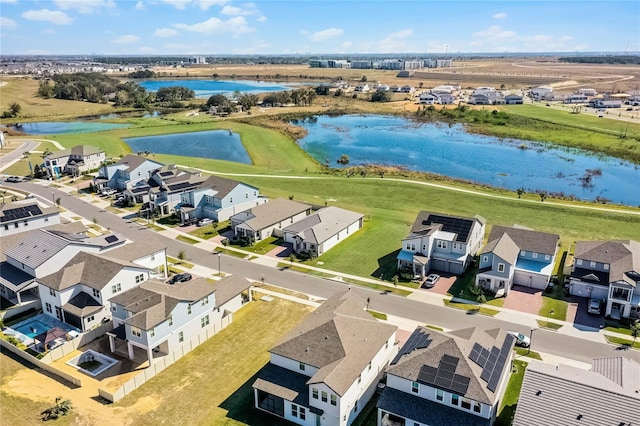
215 144
207 88
63 127
451 151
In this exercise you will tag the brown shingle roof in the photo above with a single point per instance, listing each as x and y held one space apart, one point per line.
528 240
137 249
229 287
622 256
270 213
323 224
221 185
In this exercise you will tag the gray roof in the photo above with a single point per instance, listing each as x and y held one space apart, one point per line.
270 213
153 301
565 395
229 287
222 186
82 304
133 162
11 240
623 371
284 383
432 346
426 412
339 338
427 222
13 278
90 269
138 249
26 211
78 150
526 239
622 256
323 224
504 248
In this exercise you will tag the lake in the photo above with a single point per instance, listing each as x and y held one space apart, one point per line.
216 144
207 88
451 151
63 127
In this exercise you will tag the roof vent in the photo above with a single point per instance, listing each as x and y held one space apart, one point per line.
539 393
579 417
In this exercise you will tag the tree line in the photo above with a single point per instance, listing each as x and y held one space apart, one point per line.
608 59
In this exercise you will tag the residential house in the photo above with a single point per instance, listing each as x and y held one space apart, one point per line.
541 93
217 198
442 242
128 172
149 253
406 89
362 88
78 293
327 368
436 97
167 185
606 395
608 270
268 219
479 99
322 230
428 98
24 215
586 92
76 160
456 378
516 256
513 99
160 318
576 99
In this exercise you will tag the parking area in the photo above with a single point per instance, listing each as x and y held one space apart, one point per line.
443 284
524 299
577 313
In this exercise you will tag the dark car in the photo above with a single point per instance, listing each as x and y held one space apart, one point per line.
180 278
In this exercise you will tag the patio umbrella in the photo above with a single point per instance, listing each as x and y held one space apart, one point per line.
50 335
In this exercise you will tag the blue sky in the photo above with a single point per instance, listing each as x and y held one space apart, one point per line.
152 27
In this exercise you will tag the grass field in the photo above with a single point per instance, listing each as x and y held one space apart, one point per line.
510 400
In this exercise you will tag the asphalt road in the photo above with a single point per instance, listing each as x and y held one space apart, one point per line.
554 343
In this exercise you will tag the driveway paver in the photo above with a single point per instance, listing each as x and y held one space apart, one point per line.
524 299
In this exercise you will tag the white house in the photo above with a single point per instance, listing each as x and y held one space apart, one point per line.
455 378
428 98
80 158
268 219
126 173
586 91
78 293
513 99
608 270
167 185
327 368
442 242
25 215
362 88
322 230
516 256
160 318
217 198
541 92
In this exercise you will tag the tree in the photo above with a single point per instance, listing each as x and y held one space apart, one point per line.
292 258
45 89
46 152
58 201
543 196
59 409
364 78
520 191
380 96
248 100
635 329
182 255
344 159
15 109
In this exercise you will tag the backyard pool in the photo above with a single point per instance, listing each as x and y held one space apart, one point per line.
26 330
32 328
92 362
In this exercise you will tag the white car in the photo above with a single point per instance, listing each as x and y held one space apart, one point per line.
204 222
431 280
594 306
521 339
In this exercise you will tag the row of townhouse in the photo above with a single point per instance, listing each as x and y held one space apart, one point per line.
382 64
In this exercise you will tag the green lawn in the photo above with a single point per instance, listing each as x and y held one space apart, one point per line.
553 308
510 400
549 325
528 353
264 246
471 309
206 232
378 315
623 342
187 240
181 263
197 391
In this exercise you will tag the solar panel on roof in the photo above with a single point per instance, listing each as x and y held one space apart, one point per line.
460 384
455 225
493 383
417 340
475 353
21 213
111 239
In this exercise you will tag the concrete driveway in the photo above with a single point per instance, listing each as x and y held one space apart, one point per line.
524 299
583 320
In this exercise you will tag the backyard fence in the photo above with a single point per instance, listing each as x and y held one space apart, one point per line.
71 345
163 362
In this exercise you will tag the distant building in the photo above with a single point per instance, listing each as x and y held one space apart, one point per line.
76 160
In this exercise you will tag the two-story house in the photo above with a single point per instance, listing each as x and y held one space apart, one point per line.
217 198
441 242
516 256
268 219
160 318
78 293
128 172
325 370
455 378
76 160
608 270
167 185
25 215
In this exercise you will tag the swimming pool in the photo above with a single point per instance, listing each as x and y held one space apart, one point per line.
32 328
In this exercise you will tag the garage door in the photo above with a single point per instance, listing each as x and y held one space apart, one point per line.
587 290
439 265
456 268
530 280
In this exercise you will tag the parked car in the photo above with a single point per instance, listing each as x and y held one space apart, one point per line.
180 278
521 339
595 306
108 191
431 280
204 222
14 179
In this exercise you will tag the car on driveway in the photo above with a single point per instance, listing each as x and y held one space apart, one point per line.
180 278
204 222
431 280
594 306
14 179
521 339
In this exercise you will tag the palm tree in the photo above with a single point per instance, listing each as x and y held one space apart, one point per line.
60 408
635 329
520 191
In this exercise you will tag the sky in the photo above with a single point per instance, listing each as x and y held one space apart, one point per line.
216 27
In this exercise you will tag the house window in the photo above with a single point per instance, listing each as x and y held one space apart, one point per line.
606 266
369 366
355 406
188 309
114 308
48 305
314 393
408 246
579 262
15 225
334 400
294 410
152 332
139 278
136 331
96 293
476 407
439 395
424 247
441 244
535 255
204 321
302 366
46 219
205 300
413 247
324 396
231 200
466 404
303 413
170 320
6 227
523 253
485 259
415 387
116 288
592 264
153 257
359 378
26 223
454 399
91 318
547 257
52 292
181 337
500 267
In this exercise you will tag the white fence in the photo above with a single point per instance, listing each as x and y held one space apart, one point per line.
71 345
163 362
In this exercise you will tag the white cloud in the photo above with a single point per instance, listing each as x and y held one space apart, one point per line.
53 16
147 50
8 24
165 32
37 52
202 4
140 5
206 4
581 47
48 31
235 26
126 39
262 18
178 4
346 45
492 35
396 42
500 15
327 34
497 39
85 7
9 1
305 32
248 9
